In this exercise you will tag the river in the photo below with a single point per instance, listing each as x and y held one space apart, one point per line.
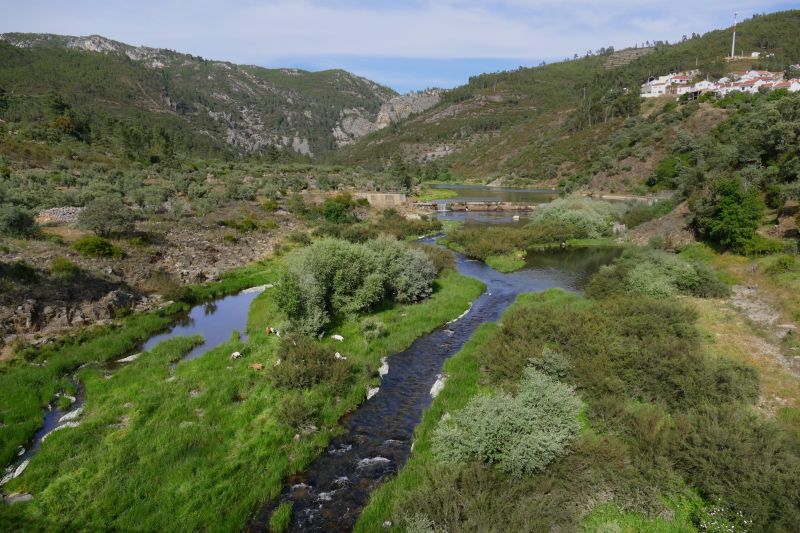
331 493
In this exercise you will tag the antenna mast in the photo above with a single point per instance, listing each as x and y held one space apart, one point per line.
733 44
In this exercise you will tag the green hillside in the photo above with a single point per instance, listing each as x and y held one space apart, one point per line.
550 123
151 102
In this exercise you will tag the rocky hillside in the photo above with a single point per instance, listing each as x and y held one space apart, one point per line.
198 105
552 124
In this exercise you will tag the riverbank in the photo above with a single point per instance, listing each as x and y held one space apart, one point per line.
663 386
30 380
205 431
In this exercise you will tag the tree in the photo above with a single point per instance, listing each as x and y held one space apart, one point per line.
107 215
16 221
729 215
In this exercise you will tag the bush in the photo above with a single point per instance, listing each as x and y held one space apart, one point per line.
519 434
296 411
782 264
61 267
299 237
655 273
442 258
372 328
334 277
640 213
305 363
106 216
725 443
94 246
16 221
585 218
338 209
758 245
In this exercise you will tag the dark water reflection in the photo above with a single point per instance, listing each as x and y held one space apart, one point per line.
330 495
214 320
482 193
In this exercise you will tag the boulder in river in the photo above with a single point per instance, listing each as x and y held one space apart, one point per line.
372 391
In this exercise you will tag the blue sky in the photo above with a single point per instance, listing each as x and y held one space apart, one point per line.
406 45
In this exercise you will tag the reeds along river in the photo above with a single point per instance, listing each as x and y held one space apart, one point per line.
330 495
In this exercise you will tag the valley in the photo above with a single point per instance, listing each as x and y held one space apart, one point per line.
274 299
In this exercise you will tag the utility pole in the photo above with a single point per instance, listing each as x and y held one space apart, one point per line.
733 44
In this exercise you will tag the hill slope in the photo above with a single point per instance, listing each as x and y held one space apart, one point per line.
549 123
146 97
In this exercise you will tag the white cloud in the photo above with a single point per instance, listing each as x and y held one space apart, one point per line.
253 31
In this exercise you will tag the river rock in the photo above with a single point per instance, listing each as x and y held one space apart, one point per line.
438 385
130 358
384 369
372 391
65 425
17 497
72 415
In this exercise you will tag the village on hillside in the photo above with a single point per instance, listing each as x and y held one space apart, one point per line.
751 81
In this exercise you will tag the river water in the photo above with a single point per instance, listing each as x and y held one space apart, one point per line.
331 493
214 320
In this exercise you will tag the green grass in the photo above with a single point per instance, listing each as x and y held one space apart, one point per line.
509 262
27 385
428 194
204 450
279 521
608 517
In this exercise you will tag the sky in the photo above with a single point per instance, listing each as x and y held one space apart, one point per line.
407 45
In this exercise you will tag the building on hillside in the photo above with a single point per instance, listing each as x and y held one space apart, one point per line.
745 81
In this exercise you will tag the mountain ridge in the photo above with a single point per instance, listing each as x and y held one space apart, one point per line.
236 109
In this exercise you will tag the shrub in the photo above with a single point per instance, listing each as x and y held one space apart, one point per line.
655 273
270 206
306 363
782 264
338 209
552 363
334 277
16 221
106 216
372 328
519 434
442 258
408 273
586 218
94 246
62 267
640 213
726 441
299 237
296 411
758 245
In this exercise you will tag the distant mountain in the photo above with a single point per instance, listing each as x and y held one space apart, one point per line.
555 122
139 96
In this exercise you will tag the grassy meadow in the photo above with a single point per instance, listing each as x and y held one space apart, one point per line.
202 446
